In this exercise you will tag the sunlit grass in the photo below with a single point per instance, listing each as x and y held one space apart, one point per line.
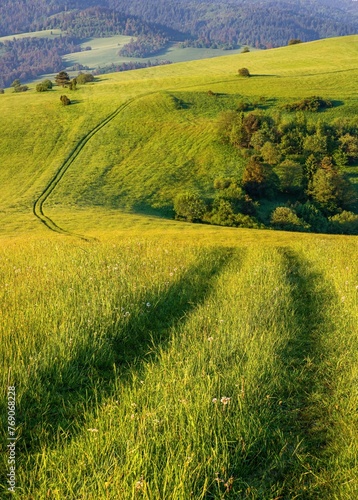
123 351
166 139
165 360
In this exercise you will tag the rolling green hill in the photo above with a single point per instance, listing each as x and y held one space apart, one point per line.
158 359
164 139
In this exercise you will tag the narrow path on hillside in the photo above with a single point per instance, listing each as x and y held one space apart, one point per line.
38 209
38 205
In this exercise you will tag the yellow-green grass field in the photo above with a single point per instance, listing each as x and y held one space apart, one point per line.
163 360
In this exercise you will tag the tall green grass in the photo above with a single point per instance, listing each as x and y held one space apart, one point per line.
164 360
165 370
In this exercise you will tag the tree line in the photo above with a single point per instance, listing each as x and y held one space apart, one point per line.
128 66
144 46
298 162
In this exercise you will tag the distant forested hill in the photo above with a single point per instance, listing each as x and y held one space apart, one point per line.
224 24
263 23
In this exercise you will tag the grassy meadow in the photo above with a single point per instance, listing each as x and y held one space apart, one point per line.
156 359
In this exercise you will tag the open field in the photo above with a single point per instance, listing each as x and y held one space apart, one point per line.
163 360
124 350
36 34
165 139
105 52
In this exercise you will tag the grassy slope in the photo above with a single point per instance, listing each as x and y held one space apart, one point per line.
118 346
155 146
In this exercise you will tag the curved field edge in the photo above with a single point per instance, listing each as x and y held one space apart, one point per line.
171 368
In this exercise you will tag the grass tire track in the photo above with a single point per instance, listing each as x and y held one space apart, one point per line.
38 205
39 202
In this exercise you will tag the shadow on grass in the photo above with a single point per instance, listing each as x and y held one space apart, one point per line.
60 395
76 101
284 462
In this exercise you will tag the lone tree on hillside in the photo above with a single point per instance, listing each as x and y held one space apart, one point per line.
244 72
65 100
83 78
62 79
44 86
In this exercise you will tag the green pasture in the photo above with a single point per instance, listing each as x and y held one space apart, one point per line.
165 139
105 52
157 359
55 33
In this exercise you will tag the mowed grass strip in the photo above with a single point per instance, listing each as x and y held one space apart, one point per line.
171 371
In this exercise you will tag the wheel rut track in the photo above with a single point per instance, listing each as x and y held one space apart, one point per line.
39 202
38 209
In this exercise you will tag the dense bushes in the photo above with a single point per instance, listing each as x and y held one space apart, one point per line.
189 206
313 104
286 218
293 176
83 78
44 86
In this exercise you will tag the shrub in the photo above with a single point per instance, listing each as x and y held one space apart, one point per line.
21 88
44 86
313 104
286 218
65 100
344 223
244 72
224 214
2 91
294 41
83 78
48 84
189 206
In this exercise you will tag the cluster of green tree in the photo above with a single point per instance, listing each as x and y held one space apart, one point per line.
127 66
299 163
18 87
26 58
144 46
63 79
